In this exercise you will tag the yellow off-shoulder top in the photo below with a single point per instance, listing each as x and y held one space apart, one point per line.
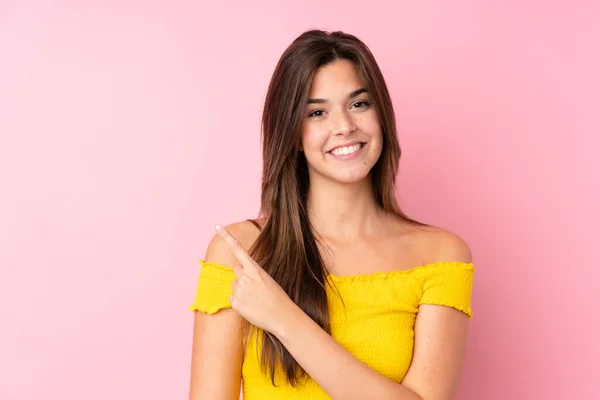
372 316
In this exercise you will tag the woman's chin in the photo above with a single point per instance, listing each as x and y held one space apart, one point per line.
350 178
347 176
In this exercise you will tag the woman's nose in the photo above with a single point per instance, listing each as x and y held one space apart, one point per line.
343 124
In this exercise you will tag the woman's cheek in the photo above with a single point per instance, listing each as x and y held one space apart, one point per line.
313 139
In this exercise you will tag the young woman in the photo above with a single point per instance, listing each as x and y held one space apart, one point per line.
333 292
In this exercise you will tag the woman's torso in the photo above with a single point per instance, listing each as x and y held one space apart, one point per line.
377 285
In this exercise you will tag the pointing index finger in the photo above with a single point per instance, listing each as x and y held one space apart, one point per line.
236 247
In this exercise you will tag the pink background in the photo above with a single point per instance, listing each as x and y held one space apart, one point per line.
129 128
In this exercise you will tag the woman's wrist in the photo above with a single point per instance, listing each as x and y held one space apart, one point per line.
291 319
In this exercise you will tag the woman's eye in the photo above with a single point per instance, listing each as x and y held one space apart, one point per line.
361 104
316 113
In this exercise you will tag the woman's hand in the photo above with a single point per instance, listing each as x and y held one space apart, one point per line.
256 296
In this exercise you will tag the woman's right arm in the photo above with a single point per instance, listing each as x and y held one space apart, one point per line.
217 349
216 356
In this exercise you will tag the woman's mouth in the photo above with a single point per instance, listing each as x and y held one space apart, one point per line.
347 152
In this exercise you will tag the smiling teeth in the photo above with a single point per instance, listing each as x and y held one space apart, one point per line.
342 151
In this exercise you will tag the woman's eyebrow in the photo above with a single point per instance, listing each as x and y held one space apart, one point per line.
351 95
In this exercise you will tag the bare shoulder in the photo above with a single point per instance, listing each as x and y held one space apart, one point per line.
218 251
444 245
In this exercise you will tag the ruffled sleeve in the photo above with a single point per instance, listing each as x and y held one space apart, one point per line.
214 288
449 284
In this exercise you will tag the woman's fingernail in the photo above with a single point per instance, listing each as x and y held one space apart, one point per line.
218 228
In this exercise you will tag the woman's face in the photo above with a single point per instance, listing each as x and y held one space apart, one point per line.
341 133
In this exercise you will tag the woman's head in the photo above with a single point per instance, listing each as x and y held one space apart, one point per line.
328 91
341 137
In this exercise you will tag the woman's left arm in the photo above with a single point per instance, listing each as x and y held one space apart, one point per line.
438 357
434 374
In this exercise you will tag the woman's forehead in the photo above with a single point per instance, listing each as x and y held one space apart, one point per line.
337 79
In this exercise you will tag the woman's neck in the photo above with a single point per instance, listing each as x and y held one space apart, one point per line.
344 211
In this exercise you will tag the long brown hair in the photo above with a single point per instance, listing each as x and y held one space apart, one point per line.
287 247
